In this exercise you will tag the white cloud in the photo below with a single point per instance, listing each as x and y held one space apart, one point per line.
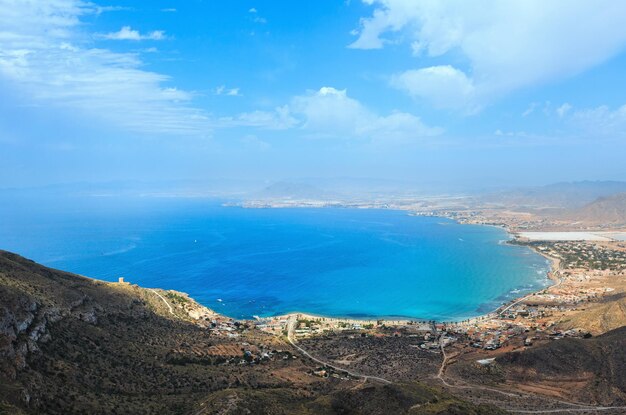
330 110
531 108
279 119
601 121
104 9
127 33
331 113
43 55
222 90
255 143
522 134
445 86
563 109
257 19
169 10
507 45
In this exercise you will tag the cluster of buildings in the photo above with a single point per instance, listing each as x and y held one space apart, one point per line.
584 256
307 326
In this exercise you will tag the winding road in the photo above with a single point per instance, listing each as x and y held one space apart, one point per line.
576 406
291 326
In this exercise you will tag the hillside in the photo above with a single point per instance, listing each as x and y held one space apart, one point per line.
72 345
605 315
566 195
583 370
605 210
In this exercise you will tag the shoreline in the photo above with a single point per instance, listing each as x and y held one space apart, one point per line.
513 236
406 320
494 312
554 266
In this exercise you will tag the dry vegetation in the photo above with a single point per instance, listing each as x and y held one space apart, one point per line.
71 345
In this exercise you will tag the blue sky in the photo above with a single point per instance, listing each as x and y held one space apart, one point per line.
448 92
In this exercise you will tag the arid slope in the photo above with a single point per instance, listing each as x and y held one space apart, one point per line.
72 345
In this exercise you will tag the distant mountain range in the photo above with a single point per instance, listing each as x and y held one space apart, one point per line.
565 195
294 191
608 210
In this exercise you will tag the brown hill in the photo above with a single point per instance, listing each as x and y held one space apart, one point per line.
606 210
566 195
72 345
605 315
584 370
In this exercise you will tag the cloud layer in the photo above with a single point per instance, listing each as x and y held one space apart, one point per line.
44 55
127 33
507 45
330 113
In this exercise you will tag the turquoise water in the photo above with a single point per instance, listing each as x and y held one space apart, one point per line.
245 262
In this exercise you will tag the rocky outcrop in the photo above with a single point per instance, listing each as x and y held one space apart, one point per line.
24 325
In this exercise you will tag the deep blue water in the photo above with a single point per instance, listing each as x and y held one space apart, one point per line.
245 262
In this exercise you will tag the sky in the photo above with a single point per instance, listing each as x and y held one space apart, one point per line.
440 92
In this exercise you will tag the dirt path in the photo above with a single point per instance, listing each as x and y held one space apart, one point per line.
169 307
291 325
442 369
576 406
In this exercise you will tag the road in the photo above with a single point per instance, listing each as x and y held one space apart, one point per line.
442 369
576 406
558 282
291 326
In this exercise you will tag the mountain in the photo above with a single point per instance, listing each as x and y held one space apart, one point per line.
606 210
73 345
565 195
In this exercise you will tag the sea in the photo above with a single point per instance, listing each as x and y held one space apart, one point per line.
358 263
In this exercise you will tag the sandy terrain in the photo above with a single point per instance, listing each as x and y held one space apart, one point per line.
570 236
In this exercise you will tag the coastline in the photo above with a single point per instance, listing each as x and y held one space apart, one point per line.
551 276
406 320
488 309
547 314
541 306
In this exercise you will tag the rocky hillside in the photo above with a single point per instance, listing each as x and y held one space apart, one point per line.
583 370
72 345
